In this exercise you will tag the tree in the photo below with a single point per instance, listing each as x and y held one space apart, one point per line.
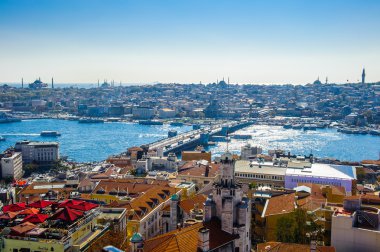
285 229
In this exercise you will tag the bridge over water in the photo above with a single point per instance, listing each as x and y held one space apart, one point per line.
191 139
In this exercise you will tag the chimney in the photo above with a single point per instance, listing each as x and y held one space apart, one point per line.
203 239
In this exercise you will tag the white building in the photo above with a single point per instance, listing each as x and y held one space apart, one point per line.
41 152
356 228
11 165
166 113
230 206
143 112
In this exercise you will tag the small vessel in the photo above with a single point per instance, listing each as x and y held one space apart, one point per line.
113 119
50 133
309 127
374 132
2 138
150 122
241 136
176 124
90 120
287 126
297 126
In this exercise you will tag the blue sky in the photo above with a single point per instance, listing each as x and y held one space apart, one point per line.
283 41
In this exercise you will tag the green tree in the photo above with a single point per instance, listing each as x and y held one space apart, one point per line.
285 229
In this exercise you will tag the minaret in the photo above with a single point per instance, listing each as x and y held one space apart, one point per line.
52 83
98 83
22 82
327 79
363 76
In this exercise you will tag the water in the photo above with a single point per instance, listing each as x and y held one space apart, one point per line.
84 142
94 142
322 142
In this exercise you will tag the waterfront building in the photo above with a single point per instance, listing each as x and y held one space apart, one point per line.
355 227
143 112
11 165
40 152
166 113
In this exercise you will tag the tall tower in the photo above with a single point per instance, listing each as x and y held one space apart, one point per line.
22 82
363 76
52 83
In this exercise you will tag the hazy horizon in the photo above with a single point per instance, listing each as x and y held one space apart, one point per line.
264 42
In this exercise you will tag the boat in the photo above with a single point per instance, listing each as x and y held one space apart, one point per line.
176 124
374 132
6 118
241 136
2 138
113 119
150 122
50 133
297 126
309 127
287 126
90 120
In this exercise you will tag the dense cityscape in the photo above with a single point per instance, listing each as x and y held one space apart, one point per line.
223 126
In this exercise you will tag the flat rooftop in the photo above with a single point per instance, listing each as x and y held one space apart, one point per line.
266 168
324 170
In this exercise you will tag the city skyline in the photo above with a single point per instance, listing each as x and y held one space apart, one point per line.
271 42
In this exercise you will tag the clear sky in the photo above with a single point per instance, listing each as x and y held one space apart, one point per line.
137 41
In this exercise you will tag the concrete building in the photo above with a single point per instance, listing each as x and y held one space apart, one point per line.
166 113
11 165
324 174
261 174
250 152
196 155
143 112
355 227
40 152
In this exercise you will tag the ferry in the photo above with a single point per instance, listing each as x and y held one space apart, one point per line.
2 138
176 124
50 133
374 132
5 118
150 122
90 120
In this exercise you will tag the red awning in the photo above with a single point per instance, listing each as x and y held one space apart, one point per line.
29 211
40 204
84 206
70 203
67 214
14 207
36 218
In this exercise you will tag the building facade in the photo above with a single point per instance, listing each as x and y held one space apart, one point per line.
11 165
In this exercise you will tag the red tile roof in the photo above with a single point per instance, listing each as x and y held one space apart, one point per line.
186 239
189 204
